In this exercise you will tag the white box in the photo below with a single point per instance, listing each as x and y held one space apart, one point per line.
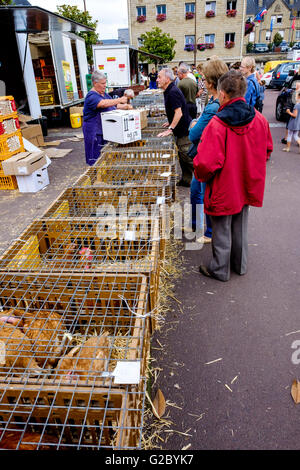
121 126
34 182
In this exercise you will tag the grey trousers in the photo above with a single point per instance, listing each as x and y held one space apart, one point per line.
186 163
229 244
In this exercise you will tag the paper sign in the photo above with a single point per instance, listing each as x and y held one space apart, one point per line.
129 235
2 353
127 372
111 59
165 155
166 174
160 200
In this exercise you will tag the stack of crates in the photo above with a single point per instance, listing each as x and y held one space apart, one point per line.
79 297
11 141
45 92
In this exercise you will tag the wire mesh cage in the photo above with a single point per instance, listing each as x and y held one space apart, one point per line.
129 176
138 156
105 244
149 141
156 121
62 339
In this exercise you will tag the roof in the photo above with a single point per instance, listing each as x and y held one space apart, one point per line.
31 19
253 7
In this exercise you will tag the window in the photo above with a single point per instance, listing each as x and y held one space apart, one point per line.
161 9
229 37
140 11
190 7
273 19
298 34
231 5
268 35
287 68
209 38
279 19
210 6
281 34
252 37
190 39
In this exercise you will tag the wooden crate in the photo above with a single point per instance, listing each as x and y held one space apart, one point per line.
103 316
129 176
35 417
86 246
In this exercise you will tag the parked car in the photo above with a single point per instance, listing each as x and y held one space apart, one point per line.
281 72
267 77
285 99
284 46
296 46
260 48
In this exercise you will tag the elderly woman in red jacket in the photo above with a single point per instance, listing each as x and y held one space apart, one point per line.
231 159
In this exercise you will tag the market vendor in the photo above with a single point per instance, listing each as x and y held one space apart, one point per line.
97 102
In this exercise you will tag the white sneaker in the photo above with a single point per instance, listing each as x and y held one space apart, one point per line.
203 239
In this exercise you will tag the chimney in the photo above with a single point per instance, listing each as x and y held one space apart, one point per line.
260 3
291 2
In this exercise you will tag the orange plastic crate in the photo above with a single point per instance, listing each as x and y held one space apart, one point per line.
7 105
7 182
11 144
9 124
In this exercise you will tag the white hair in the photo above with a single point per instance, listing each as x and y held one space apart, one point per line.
168 73
129 93
183 68
97 76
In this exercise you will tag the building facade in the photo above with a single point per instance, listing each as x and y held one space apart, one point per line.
201 28
278 19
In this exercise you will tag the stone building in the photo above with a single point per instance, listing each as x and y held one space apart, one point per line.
282 12
201 28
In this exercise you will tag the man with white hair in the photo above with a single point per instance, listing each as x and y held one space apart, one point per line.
178 122
189 89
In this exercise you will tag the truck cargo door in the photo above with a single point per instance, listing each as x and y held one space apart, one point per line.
64 67
82 63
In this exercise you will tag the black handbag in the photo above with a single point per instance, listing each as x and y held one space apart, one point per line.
192 152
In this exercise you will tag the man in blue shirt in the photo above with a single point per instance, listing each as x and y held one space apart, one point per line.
248 71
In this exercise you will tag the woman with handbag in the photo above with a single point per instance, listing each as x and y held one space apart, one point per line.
212 70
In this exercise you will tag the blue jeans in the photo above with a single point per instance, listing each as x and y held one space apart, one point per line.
197 202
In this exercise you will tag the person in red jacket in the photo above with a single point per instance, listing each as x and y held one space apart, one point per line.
231 159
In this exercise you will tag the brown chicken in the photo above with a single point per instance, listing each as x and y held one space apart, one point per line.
13 440
89 359
47 334
16 351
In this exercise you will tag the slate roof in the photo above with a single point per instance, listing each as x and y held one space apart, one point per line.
253 8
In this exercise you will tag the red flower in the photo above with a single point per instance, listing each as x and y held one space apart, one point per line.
141 18
161 17
231 13
210 13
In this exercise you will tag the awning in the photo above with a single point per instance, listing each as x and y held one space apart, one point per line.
31 19
153 56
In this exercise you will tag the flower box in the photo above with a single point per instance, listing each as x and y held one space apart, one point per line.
231 13
189 15
141 19
229 44
249 26
189 47
210 13
161 17
201 47
209 45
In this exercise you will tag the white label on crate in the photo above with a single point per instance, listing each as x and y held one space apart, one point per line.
165 155
127 372
166 174
160 200
129 235
23 170
2 353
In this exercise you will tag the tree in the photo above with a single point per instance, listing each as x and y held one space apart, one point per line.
83 17
277 40
158 43
6 2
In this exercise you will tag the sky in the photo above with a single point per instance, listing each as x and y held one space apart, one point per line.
111 14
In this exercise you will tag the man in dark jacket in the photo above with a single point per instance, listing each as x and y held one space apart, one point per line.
178 122
231 159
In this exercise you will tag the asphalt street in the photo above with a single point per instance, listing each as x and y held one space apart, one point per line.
227 350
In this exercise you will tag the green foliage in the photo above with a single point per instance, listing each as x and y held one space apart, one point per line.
270 46
249 47
158 43
277 39
291 43
6 2
83 17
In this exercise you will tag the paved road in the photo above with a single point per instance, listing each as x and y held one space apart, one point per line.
241 401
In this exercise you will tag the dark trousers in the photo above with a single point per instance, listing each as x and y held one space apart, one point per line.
192 108
229 244
186 163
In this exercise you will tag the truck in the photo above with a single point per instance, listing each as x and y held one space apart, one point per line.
45 65
120 64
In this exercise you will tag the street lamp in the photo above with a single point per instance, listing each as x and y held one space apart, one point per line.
195 45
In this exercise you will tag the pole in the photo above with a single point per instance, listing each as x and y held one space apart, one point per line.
84 6
195 45
243 29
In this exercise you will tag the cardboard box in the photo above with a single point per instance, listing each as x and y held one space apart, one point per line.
34 182
24 163
76 110
144 119
121 126
23 119
33 133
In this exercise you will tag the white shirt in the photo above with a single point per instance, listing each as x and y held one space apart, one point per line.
192 76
